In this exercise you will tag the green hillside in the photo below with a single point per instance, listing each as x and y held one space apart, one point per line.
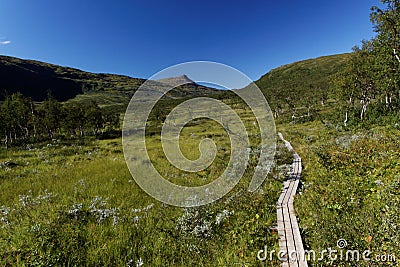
303 83
35 79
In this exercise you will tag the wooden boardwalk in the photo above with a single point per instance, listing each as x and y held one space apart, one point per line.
288 228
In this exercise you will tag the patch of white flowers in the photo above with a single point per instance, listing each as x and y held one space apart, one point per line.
29 200
97 209
346 140
192 223
26 201
4 212
75 211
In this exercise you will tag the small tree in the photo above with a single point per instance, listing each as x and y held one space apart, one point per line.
51 115
93 117
73 118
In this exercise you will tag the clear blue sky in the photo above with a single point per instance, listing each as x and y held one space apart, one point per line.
140 38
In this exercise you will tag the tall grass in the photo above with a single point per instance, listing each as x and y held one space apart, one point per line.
351 191
75 204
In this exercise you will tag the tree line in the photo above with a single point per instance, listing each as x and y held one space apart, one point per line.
370 85
23 120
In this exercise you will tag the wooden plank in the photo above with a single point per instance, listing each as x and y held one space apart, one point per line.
289 193
290 202
297 237
292 249
279 217
288 230
284 192
299 247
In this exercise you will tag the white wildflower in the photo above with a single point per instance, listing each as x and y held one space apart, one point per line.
135 219
4 212
75 208
147 208
129 263
36 227
80 186
139 262
223 215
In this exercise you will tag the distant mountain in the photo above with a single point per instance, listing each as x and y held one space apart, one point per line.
35 79
174 81
186 87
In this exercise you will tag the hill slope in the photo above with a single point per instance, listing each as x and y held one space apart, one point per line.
302 83
34 79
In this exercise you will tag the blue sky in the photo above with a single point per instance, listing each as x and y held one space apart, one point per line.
140 38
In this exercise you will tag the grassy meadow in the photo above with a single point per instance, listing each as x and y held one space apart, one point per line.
74 203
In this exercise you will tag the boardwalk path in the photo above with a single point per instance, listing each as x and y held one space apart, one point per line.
288 228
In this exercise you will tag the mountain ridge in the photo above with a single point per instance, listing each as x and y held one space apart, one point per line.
310 78
35 79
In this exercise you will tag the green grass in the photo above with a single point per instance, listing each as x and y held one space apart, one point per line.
351 190
75 203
